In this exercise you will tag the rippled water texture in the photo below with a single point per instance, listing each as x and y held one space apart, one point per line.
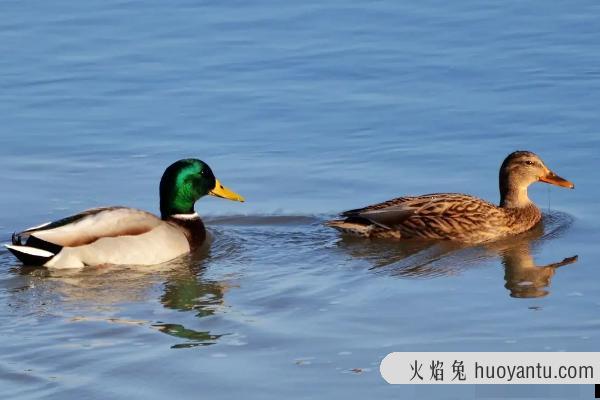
306 109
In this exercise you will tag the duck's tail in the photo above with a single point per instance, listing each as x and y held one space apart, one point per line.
30 255
351 227
31 250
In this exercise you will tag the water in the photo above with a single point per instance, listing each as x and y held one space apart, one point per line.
306 109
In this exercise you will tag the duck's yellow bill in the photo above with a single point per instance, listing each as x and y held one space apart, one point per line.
223 192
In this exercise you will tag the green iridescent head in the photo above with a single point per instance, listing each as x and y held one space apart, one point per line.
184 182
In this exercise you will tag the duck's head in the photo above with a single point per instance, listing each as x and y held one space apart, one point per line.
519 170
186 181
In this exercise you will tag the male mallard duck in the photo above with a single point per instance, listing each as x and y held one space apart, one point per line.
121 235
458 217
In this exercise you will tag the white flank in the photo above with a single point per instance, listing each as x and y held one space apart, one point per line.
161 244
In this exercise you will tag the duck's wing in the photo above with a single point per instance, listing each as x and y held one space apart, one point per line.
89 226
386 214
37 245
438 215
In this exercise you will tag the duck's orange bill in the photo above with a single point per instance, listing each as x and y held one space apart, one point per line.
554 179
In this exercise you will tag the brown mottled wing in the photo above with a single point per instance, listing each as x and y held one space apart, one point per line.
387 214
433 216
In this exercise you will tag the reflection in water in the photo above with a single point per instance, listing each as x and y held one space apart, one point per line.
99 290
523 278
186 291
194 338
424 259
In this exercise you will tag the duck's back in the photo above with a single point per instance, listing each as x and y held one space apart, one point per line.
91 225
441 216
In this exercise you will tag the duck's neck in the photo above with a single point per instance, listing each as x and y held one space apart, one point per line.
514 197
184 217
176 202
521 214
513 194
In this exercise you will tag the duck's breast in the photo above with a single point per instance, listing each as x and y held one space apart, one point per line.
162 243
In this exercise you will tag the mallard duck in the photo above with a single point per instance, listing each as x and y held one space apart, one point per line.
122 235
458 217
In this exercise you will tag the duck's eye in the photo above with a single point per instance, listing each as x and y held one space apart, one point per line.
528 162
206 174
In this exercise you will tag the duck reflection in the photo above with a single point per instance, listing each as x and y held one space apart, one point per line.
98 291
523 277
425 259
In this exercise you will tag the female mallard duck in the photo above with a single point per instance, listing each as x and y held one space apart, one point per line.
121 235
458 217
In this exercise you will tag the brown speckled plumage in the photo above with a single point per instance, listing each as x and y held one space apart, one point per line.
454 216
